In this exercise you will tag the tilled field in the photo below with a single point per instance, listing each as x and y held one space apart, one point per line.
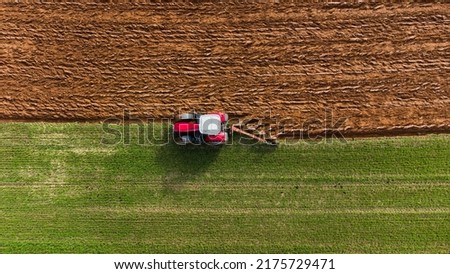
385 69
63 191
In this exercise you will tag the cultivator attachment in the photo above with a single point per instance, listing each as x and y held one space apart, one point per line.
268 141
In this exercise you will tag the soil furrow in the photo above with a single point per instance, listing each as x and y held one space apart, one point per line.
382 68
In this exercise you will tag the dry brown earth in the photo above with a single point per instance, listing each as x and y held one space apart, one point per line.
385 68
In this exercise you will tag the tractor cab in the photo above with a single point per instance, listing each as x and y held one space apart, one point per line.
210 124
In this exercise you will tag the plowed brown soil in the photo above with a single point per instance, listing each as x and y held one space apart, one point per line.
384 68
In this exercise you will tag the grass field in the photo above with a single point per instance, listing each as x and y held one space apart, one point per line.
62 191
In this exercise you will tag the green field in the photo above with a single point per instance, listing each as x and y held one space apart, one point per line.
62 191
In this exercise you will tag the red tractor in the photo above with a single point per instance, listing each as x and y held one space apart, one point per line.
212 128
194 128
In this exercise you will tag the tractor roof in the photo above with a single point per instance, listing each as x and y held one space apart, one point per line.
210 124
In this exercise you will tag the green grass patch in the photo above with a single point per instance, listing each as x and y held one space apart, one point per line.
63 191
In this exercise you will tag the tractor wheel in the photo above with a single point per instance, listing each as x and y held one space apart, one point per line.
186 116
187 140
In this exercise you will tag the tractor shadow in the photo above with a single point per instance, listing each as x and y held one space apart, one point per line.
180 164
184 163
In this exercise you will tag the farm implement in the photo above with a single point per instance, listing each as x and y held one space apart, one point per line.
212 128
